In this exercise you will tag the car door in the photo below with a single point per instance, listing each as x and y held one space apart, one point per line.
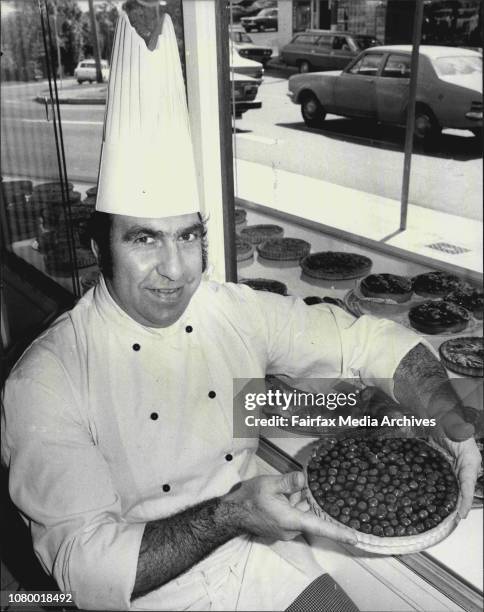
392 88
321 53
355 89
342 52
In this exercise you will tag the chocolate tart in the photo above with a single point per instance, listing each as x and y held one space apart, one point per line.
387 287
255 234
244 249
284 249
398 495
436 284
334 265
463 355
470 299
438 317
265 284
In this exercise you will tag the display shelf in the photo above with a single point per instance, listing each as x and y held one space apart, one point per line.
453 566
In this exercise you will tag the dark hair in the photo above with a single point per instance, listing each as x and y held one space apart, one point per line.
100 227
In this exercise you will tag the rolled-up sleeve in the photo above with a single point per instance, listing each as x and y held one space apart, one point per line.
324 341
61 484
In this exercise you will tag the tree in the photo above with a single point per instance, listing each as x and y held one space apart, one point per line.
23 55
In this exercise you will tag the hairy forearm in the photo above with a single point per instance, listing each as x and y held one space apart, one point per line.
172 545
421 384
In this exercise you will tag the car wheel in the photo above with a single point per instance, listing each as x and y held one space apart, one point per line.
426 128
304 67
312 111
80 81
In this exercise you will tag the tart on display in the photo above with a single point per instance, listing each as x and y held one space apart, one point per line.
255 234
240 216
399 495
284 249
436 284
387 287
469 298
243 249
464 355
92 191
334 265
265 284
438 317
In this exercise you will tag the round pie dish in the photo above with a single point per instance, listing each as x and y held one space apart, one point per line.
464 355
255 234
437 317
436 284
335 265
387 287
244 249
418 512
284 249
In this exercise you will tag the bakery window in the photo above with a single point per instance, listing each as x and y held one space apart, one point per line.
364 208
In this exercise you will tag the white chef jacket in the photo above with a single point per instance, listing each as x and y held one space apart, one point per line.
110 424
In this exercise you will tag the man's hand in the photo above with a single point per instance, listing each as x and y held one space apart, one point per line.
467 464
273 507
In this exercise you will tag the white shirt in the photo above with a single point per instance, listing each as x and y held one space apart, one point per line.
109 424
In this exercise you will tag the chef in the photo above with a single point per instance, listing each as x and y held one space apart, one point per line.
118 425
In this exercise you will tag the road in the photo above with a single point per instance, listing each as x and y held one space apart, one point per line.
346 152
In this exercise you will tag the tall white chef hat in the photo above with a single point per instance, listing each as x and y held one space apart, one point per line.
147 167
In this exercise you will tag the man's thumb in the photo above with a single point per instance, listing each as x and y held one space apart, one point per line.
291 482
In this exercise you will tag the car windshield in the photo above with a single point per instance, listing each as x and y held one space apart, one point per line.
364 42
461 64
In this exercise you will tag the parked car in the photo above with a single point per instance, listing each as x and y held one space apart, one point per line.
244 93
324 49
86 71
264 20
245 46
245 66
376 86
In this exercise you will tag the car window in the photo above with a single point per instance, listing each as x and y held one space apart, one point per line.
368 65
340 42
397 67
325 41
363 42
462 64
304 39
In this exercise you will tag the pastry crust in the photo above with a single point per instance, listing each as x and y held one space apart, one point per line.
244 249
255 234
438 317
387 287
463 355
335 265
419 511
284 249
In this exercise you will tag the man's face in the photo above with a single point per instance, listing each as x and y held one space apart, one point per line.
157 266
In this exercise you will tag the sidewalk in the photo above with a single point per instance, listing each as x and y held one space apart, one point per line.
73 93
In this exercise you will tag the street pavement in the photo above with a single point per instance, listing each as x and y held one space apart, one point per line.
346 152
